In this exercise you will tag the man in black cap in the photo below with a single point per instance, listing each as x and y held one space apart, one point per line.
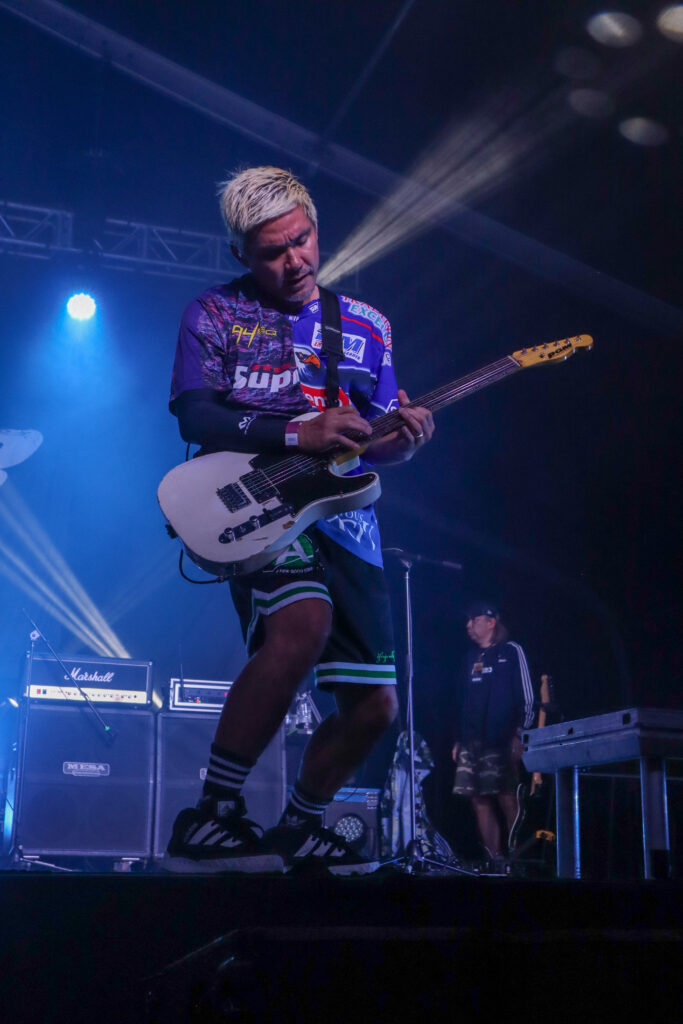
495 701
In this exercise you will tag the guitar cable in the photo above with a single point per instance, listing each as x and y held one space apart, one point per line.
218 579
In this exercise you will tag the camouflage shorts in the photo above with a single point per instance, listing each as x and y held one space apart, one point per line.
481 771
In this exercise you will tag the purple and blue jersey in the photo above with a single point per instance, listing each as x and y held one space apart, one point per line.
265 361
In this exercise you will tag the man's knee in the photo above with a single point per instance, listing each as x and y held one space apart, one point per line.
373 708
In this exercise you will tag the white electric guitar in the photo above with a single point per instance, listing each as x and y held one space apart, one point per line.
234 512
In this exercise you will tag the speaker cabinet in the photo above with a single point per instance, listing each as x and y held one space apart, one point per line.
80 790
183 746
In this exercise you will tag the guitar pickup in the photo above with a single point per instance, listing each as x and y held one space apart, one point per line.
270 515
233 497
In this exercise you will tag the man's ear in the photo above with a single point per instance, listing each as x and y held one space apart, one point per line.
239 256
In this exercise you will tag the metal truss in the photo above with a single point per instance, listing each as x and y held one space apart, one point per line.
43 233
35 230
169 252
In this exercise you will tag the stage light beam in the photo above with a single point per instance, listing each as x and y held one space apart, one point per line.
469 160
75 603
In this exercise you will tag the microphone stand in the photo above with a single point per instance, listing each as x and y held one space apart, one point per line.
414 860
109 733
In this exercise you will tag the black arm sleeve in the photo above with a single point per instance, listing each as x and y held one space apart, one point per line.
204 419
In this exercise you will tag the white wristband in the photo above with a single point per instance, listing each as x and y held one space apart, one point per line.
292 434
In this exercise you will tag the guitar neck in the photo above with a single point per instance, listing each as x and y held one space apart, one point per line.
441 397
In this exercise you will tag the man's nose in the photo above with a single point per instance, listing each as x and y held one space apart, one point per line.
292 257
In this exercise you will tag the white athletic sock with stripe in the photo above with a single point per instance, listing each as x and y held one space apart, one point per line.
225 775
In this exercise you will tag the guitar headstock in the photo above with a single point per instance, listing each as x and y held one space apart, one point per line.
553 352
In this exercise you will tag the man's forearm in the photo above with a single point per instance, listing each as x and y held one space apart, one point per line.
204 420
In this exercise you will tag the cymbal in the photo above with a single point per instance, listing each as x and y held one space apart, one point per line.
17 445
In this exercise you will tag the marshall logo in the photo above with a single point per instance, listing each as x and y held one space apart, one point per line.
90 769
80 676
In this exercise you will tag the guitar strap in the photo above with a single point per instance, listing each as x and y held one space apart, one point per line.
332 343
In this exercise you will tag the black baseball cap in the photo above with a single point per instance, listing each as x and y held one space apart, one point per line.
482 608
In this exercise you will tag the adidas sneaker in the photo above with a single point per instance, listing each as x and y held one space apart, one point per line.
216 836
315 846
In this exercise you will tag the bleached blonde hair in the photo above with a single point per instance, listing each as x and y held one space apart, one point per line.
257 194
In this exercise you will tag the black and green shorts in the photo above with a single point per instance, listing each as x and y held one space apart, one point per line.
360 648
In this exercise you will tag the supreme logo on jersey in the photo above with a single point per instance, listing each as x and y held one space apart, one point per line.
265 377
354 344
316 396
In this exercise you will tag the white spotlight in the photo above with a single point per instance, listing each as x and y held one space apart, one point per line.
670 22
81 306
614 28
643 131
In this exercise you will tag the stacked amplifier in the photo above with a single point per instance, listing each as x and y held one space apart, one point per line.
100 773
84 782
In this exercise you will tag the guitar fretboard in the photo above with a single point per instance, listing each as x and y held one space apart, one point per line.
434 400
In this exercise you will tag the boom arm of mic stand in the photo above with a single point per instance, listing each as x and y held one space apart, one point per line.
109 733
410 558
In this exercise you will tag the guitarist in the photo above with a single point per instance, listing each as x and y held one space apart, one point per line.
252 356
495 701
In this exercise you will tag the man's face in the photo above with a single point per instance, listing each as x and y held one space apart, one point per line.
480 629
282 254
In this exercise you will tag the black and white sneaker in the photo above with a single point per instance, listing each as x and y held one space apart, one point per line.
316 847
216 836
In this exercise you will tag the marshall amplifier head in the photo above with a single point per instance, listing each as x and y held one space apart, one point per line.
116 681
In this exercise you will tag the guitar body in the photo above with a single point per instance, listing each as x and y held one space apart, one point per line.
234 512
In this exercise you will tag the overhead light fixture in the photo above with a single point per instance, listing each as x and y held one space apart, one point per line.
81 306
614 28
670 22
643 131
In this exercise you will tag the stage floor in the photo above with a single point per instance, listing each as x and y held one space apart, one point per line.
99 948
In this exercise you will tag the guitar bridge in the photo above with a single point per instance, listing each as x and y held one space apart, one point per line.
233 497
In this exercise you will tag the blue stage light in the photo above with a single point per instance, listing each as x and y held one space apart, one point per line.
81 306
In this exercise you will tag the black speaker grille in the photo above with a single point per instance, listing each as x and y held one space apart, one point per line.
183 743
80 793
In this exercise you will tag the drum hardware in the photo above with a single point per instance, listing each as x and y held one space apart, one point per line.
303 716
